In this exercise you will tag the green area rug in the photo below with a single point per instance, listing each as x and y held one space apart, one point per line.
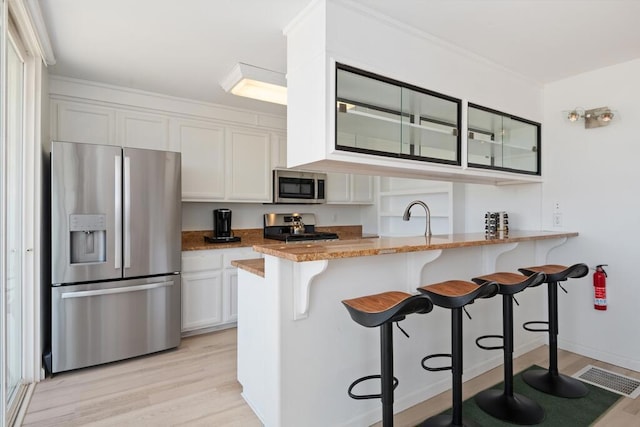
559 411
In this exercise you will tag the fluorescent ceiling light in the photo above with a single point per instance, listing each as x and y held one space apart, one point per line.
257 83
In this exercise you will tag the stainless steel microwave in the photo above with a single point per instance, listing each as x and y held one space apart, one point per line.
291 186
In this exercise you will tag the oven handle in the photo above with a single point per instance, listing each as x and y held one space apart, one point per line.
122 290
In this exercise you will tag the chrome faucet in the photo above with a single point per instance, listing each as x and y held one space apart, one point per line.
407 215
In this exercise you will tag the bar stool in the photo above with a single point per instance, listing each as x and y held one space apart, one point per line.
551 381
382 310
454 294
505 404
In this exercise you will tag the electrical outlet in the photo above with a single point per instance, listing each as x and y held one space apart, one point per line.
557 219
556 206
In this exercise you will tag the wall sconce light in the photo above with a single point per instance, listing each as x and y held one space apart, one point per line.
594 118
257 83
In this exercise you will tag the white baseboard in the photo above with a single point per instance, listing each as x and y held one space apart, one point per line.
603 356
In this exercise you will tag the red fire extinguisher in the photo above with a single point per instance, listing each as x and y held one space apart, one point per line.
600 288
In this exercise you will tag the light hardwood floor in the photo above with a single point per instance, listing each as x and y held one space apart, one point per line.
196 385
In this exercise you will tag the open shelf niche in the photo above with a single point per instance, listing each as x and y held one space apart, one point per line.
395 195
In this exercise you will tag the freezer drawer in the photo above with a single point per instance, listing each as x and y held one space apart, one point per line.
104 322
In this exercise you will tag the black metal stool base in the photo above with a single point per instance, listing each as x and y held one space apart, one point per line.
516 409
556 385
446 420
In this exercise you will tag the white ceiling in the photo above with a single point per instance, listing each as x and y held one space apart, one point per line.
184 48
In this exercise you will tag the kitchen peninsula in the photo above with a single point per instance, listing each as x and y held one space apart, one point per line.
298 349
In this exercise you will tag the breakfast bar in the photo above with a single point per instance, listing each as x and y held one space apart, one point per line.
298 350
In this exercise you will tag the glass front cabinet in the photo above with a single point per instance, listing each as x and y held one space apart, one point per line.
501 141
384 117
377 115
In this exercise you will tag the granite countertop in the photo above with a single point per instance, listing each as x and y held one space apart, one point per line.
254 266
194 240
315 251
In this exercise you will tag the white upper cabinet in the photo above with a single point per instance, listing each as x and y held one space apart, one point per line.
502 142
362 189
227 155
249 160
338 188
75 122
349 189
279 151
94 124
396 107
224 164
144 130
203 160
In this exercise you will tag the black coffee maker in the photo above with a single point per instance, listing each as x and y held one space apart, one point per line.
222 223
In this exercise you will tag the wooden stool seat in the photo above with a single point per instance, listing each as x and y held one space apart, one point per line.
551 381
511 283
557 273
457 293
393 306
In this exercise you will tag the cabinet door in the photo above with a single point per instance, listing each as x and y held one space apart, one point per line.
203 160
338 188
279 151
349 189
230 285
361 189
249 158
77 122
201 299
230 296
144 130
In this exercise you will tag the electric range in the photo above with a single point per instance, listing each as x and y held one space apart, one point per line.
293 227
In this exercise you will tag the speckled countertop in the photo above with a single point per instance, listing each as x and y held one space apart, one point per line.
314 251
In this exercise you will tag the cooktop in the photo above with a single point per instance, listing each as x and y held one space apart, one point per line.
281 227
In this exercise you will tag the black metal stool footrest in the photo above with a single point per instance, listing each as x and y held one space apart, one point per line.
368 396
526 326
441 368
487 347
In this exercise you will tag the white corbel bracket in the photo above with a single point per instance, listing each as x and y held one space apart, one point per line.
303 274
416 261
543 247
490 254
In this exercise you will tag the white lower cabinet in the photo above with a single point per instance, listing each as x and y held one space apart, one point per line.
201 300
230 295
210 288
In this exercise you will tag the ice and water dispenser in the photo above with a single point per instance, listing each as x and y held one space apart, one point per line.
88 238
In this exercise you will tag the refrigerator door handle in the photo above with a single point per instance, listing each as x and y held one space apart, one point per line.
118 210
126 289
127 212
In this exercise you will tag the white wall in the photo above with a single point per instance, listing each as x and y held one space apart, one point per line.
521 202
594 175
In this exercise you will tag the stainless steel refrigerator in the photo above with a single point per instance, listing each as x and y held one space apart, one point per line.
115 253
